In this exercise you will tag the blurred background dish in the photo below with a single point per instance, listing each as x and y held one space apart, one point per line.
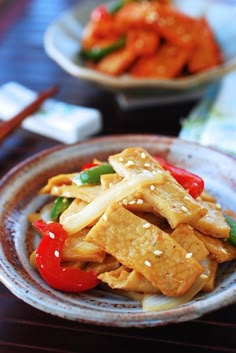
62 43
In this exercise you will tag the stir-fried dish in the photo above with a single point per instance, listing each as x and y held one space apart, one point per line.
136 225
148 39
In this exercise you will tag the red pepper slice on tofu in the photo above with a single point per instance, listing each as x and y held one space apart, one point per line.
193 183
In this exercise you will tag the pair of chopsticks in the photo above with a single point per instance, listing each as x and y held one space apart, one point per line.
8 126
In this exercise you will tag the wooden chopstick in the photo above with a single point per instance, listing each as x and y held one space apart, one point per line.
6 127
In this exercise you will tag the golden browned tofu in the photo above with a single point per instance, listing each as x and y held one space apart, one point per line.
128 280
213 223
109 264
212 267
86 193
219 249
139 245
76 248
58 180
184 235
169 198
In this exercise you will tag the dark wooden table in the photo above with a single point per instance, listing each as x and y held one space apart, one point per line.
24 329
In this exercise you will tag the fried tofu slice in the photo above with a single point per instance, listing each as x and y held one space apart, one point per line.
128 280
184 235
86 193
219 249
212 267
139 245
169 198
76 248
109 264
58 180
213 223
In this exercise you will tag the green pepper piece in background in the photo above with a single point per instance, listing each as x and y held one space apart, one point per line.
60 205
96 54
115 6
92 175
232 224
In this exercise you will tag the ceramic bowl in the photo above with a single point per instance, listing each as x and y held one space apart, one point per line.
19 197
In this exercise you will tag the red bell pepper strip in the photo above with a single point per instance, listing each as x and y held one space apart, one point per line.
193 183
48 259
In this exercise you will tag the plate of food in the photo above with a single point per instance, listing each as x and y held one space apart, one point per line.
139 45
123 231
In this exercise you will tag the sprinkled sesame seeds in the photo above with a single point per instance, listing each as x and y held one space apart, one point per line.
203 276
129 163
139 202
104 217
143 155
152 187
131 202
189 255
51 235
125 202
183 208
147 263
146 225
121 159
157 252
147 165
56 253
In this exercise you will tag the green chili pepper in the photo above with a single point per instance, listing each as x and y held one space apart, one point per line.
115 6
232 224
96 54
92 175
60 205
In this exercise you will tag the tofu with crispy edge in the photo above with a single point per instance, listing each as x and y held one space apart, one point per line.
147 249
169 199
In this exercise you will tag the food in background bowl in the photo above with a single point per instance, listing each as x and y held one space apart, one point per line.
148 39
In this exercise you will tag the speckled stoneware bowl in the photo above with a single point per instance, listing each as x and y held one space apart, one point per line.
18 190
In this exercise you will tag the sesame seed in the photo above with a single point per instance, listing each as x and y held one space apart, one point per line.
139 201
147 164
203 276
146 225
151 17
104 217
125 202
51 235
189 255
56 253
131 202
110 185
64 200
183 208
129 163
121 159
152 187
143 155
147 263
218 206
158 252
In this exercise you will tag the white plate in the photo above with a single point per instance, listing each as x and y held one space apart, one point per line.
62 44
19 197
